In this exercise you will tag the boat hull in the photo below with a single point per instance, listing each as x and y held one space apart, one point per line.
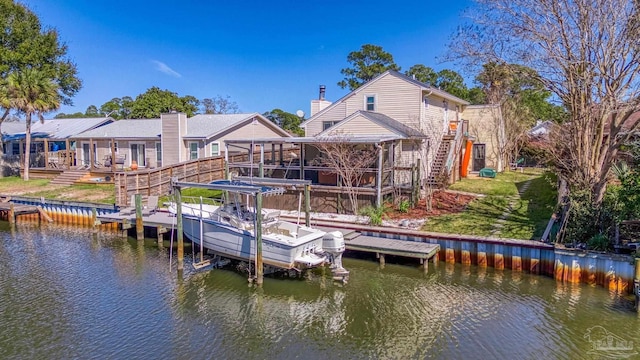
226 240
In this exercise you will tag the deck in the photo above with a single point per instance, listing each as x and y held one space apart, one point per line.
355 241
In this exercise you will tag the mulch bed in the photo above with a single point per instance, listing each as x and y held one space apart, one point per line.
443 203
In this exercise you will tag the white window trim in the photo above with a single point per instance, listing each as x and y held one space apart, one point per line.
131 153
197 149
211 147
156 148
375 101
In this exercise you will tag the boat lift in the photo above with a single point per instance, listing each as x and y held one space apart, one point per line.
251 186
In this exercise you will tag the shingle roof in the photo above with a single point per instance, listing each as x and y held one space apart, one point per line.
56 128
203 126
392 124
383 120
65 128
127 128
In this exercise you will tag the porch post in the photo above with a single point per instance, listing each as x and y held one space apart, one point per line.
379 176
113 155
301 161
46 153
91 157
392 163
281 159
273 154
261 165
68 161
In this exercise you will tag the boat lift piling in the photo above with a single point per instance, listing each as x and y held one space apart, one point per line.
256 190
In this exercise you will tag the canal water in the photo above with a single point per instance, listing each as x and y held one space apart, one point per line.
68 294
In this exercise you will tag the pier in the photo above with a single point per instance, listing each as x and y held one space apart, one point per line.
355 241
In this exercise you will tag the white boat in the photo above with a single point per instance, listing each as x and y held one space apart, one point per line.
228 230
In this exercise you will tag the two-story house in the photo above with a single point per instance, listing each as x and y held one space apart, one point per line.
427 122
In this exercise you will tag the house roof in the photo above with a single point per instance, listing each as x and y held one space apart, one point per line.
381 119
66 128
423 87
541 128
127 128
210 125
53 128
367 139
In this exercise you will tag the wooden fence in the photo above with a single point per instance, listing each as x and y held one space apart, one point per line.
158 181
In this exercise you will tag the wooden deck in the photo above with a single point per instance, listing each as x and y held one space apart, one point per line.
355 241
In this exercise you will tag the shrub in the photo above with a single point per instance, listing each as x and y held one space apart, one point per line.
598 242
403 206
375 214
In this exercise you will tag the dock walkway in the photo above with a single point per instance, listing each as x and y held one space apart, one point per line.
355 241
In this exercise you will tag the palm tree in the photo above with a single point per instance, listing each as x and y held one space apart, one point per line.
5 106
31 91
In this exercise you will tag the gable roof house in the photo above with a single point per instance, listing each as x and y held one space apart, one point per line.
54 135
424 123
171 139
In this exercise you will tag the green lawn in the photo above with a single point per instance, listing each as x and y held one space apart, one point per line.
99 193
529 215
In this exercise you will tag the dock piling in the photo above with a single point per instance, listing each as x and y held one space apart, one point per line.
139 223
258 232
636 284
12 215
180 236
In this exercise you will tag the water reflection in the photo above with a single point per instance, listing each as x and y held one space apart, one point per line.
68 293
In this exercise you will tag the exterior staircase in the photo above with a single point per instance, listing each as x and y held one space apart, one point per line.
438 164
69 177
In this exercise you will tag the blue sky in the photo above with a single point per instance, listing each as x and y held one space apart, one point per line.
262 54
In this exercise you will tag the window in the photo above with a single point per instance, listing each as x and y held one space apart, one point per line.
158 152
215 149
193 150
425 100
328 124
370 103
137 154
115 147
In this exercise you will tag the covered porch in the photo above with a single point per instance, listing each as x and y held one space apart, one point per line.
299 158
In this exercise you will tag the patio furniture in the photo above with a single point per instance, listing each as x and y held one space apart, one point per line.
487 172
517 164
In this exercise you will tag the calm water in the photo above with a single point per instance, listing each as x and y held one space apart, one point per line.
65 293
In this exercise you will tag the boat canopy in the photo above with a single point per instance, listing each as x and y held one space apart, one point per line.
244 187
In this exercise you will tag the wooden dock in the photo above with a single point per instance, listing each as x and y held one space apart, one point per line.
162 221
355 241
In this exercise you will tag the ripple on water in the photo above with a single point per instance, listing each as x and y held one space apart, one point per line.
69 294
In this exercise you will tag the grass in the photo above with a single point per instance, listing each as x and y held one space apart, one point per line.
99 193
193 193
504 184
528 216
477 219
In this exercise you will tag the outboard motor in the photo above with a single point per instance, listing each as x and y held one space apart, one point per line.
333 244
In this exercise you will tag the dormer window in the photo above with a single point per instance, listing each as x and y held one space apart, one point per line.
370 104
